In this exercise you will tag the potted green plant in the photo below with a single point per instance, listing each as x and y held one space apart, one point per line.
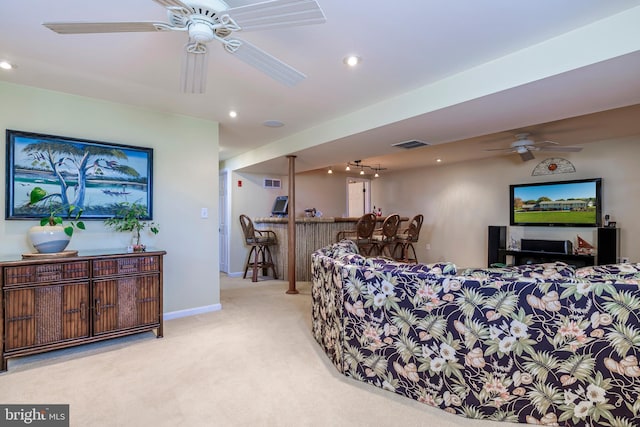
52 235
130 217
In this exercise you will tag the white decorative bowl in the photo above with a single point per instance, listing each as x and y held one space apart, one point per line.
48 239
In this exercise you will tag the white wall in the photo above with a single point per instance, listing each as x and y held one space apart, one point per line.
251 199
185 180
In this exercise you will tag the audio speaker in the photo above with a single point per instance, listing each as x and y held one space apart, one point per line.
497 245
556 246
608 244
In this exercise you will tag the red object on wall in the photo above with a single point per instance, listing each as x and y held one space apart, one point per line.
239 183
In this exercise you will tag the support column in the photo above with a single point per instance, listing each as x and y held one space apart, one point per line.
291 231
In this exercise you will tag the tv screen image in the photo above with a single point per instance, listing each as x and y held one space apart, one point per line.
576 203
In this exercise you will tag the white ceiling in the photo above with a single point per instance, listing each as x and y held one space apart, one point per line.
405 45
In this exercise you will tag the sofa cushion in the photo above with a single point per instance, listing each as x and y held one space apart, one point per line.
339 249
548 270
621 272
387 264
545 271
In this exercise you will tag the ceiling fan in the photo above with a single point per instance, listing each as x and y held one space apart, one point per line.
208 20
524 146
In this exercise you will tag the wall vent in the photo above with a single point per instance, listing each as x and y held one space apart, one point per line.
272 183
414 143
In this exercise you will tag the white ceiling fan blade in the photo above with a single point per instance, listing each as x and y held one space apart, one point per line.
264 62
193 77
175 6
101 27
498 149
277 14
562 149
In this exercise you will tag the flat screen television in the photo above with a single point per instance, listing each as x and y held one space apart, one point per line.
280 206
576 203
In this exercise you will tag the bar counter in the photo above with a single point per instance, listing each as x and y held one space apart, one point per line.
311 234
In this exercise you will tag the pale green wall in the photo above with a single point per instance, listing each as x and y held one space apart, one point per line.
185 180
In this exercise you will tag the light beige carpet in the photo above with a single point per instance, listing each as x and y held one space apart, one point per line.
254 363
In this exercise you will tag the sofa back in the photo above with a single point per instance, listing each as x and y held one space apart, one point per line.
524 344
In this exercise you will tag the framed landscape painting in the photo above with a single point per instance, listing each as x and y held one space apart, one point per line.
94 176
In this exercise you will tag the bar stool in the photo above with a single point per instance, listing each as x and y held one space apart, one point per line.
406 239
385 236
362 234
260 255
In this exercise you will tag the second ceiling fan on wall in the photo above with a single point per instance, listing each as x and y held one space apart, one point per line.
524 146
208 20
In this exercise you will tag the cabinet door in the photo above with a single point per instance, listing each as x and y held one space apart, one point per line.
126 302
43 315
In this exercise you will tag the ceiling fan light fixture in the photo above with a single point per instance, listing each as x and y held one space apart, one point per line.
201 32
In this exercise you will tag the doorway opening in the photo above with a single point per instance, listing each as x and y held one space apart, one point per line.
358 196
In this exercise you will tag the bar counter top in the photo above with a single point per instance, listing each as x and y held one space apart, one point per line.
276 220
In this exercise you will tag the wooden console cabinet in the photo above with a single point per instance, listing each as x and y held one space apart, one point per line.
607 245
53 303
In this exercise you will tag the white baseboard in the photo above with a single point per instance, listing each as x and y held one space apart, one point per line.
239 274
192 311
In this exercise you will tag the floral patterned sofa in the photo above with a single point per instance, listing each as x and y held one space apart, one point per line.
541 344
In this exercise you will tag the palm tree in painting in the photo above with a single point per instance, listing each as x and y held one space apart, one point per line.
81 161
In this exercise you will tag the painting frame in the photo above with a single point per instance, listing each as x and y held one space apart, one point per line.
96 176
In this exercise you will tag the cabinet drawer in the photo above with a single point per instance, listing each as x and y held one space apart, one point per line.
129 265
46 273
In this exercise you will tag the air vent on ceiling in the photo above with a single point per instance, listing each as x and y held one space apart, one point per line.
271 183
414 143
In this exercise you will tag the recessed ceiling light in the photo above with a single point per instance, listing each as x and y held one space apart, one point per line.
439 160
273 124
5 65
352 60
233 114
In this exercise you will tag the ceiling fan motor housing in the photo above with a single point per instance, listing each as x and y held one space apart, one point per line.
200 31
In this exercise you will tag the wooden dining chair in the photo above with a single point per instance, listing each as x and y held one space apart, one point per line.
259 257
362 234
403 248
384 238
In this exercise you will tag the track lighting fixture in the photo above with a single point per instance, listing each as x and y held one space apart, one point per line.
358 165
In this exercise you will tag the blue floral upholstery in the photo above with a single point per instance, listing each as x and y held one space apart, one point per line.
537 344
620 272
